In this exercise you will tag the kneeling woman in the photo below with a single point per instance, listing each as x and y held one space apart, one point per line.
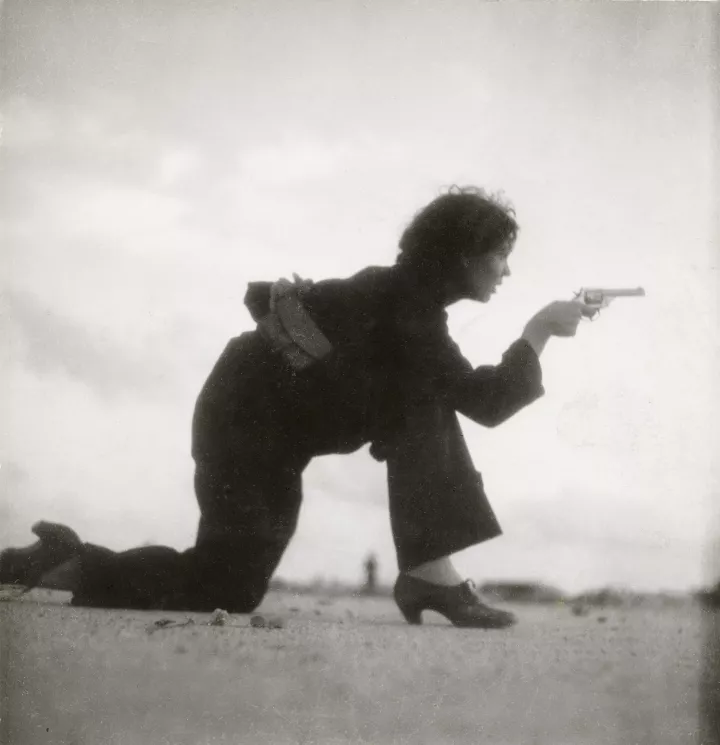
330 367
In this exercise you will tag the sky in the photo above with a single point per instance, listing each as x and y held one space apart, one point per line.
153 161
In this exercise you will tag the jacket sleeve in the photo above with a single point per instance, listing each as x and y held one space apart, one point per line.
489 395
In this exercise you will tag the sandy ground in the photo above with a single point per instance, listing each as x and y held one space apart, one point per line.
347 671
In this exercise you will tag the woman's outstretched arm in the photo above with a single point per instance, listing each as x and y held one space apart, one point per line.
489 394
434 367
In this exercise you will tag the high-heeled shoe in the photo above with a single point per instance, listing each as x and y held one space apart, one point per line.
460 604
26 566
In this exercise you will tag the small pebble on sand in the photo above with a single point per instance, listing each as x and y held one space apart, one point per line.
219 617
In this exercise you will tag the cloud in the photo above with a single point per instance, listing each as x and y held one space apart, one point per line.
50 344
176 166
292 159
26 124
292 163
98 139
131 217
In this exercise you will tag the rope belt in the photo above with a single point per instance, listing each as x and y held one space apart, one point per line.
290 330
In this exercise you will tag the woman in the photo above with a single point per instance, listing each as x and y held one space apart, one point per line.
333 366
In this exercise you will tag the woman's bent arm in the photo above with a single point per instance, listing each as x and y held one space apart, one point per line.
436 368
489 395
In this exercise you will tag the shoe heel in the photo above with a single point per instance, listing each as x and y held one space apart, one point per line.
412 614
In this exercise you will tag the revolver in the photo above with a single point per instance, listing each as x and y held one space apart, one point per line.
597 298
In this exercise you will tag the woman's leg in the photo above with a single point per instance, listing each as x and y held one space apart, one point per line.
439 571
147 577
248 477
144 578
248 515
438 504
248 486
65 577
438 507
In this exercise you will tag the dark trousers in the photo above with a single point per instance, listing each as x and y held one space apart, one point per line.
247 518
249 514
249 501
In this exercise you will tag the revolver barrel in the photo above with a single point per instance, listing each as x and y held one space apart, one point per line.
637 292
599 291
594 295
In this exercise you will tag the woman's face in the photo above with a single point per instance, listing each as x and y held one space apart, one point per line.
485 273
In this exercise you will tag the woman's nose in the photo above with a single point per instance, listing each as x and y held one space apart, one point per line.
506 271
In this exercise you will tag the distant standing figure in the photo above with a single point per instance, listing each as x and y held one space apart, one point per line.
331 366
371 565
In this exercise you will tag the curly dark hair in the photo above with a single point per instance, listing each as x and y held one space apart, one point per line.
463 223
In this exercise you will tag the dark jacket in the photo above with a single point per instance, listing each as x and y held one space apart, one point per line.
392 351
